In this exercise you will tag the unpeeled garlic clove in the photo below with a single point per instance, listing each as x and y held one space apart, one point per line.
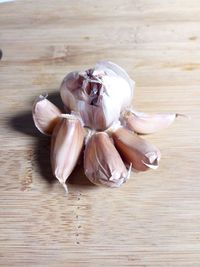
102 163
66 146
146 124
45 115
135 150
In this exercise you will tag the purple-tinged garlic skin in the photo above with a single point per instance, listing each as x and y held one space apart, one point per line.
135 150
102 163
66 146
98 95
45 115
143 123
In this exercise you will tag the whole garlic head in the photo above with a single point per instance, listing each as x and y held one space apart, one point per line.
98 95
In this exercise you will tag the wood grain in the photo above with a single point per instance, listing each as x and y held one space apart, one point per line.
154 219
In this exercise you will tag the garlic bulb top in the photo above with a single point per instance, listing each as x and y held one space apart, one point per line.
98 95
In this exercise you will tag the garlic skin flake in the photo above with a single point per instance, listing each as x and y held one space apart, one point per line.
45 115
98 95
143 123
135 150
66 146
102 163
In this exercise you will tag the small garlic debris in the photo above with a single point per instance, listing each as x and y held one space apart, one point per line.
99 95
143 123
45 115
102 163
133 149
66 146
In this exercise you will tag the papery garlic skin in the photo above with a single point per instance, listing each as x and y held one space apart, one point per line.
98 95
143 123
118 71
45 115
135 150
66 146
102 163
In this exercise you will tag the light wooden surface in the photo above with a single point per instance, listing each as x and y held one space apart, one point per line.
154 219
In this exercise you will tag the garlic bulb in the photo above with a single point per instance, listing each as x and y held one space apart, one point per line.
45 115
135 150
99 99
102 163
98 95
66 146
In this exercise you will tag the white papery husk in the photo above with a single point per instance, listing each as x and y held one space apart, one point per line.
98 95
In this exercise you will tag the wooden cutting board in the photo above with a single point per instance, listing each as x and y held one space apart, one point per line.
154 219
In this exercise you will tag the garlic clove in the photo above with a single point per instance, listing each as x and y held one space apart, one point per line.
66 146
146 124
135 150
45 115
102 163
93 116
71 84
